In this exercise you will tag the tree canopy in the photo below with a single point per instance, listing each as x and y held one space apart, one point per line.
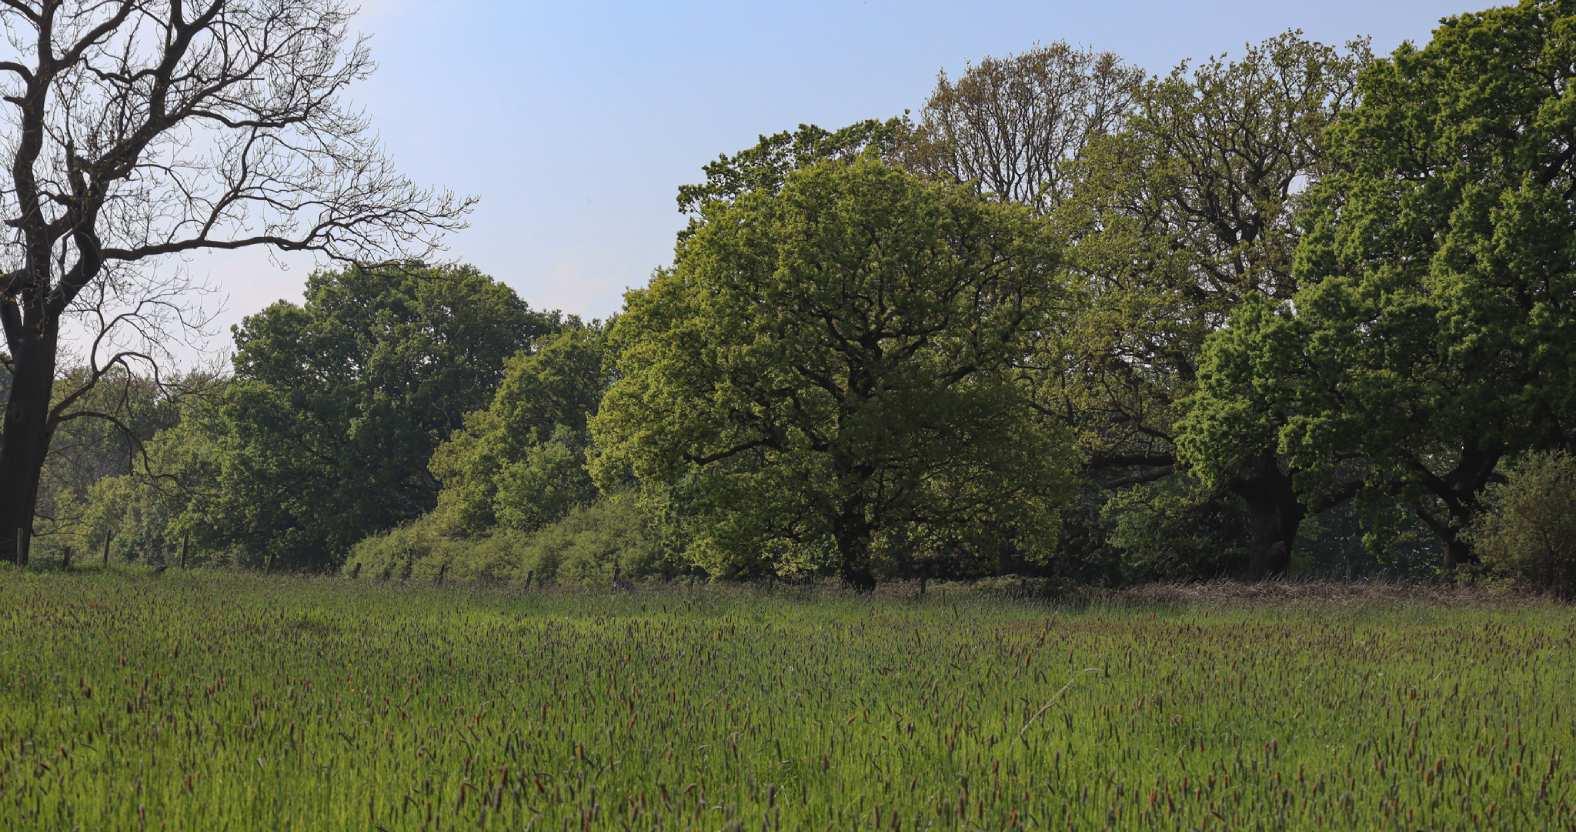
826 371
337 404
1433 333
1178 219
520 461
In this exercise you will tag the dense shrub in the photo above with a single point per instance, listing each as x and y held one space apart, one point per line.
585 548
1172 529
1528 529
592 541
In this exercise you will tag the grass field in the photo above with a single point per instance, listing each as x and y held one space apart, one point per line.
222 701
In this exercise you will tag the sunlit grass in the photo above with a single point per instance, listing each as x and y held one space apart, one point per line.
213 701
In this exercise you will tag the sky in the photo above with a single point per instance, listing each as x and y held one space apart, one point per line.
575 122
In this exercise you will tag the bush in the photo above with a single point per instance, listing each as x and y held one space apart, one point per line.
414 550
1528 529
1172 529
583 548
590 541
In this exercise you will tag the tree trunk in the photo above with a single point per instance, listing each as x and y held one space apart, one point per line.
1274 514
855 570
852 531
1458 552
1449 530
25 440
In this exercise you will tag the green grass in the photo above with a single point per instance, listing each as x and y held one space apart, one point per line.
222 701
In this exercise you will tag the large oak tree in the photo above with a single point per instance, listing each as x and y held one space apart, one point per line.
1433 336
1182 216
826 371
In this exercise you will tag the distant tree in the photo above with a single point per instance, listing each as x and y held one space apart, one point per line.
520 461
1181 217
826 370
1013 126
169 502
142 131
1436 330
104 434
338 404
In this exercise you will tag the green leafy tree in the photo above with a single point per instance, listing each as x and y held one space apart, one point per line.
1180 218
167 503
766 165
520 462
103 434
338 404
825 375
1435 333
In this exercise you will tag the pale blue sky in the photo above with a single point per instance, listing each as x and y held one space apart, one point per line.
574 122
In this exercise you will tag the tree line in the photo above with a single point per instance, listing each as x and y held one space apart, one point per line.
1301 309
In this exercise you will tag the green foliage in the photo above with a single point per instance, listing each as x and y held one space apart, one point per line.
520 462
1434 332
1180 218
765 167
1252 290
166 506
589 546
1529 526
325 704
338 404
829 366
1171 529
421 551
594 543
102 432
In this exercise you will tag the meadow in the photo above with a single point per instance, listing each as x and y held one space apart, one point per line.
229 701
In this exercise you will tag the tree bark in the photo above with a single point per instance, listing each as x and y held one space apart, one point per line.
851 531
1458 552
1274 515
25 439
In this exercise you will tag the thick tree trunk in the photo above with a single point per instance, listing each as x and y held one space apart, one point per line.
855 570
1274 514
852 534
25 441
1458 553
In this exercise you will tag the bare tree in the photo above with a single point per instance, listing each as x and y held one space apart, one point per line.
1011 125
146 129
